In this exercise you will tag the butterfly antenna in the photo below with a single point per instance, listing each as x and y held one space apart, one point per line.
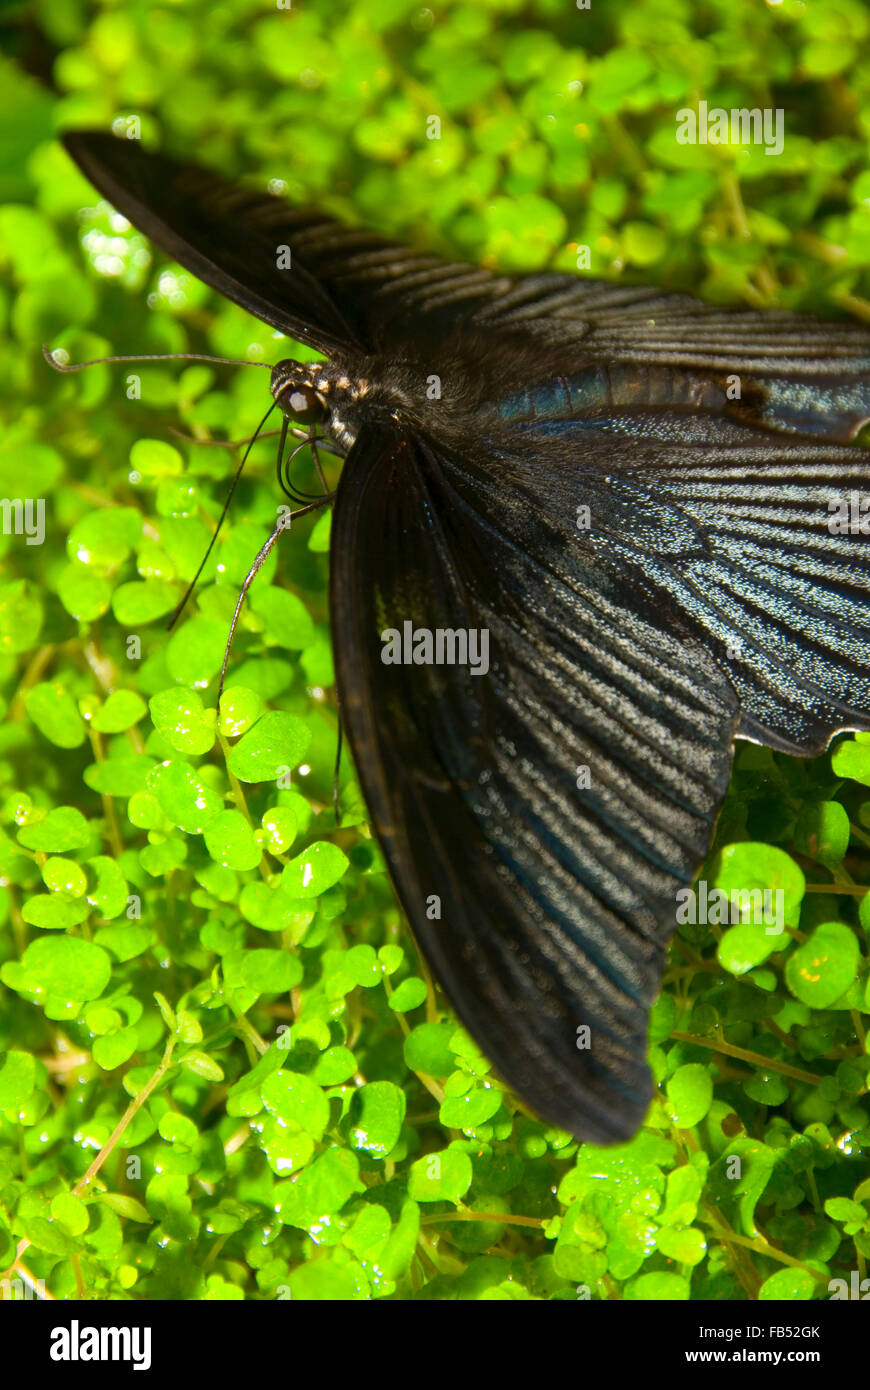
219 443
259 562
52 361
266 434
229 497
295 430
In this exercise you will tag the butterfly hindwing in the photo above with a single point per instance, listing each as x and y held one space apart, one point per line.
750 541
538 816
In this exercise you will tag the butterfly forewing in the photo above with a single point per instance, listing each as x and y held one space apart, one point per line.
346 290
341 288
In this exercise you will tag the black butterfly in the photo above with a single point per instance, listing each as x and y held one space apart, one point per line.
631 497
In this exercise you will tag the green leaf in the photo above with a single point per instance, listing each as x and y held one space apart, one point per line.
62 875
396 1256
822 832
279 825
109 894
369 1232
318 867
684 1188
440 1177
122 710
690 1093
230 841
363 965
192 806
195 651
124 775
167 1013
55 715
408 995
17 1079
53 912
270 1062
271 910
84 595
316 1197
375 1118
327 1282
335 1065
115 1049
264 971
103 539
20 617
663 1018
180 717
852 759
738 1178
316 660
427 1049
687 1247
143 601
297 1101
127 1207
240 707
202 1065
285 618
162 857
67 967
318 541
126 940
63 829
793 1285
766 1087
754 869
660 1286
844 1209
276 744
742 948
473 1108
822 969
178 1129
644 243
154 459
71 1212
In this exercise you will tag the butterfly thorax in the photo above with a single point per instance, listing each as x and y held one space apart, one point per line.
338 400
438 391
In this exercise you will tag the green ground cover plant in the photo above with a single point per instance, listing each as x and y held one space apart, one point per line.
224 1071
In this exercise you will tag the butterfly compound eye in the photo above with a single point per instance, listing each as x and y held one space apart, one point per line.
297 399
304 405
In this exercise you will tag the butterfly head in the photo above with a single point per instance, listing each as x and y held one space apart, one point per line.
301 391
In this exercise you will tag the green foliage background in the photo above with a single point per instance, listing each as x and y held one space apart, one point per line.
201 973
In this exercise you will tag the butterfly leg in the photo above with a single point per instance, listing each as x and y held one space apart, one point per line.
260 560
315 444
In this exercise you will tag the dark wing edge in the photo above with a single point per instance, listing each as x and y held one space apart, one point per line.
757 545
345 289
348 289
210 227
556 900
